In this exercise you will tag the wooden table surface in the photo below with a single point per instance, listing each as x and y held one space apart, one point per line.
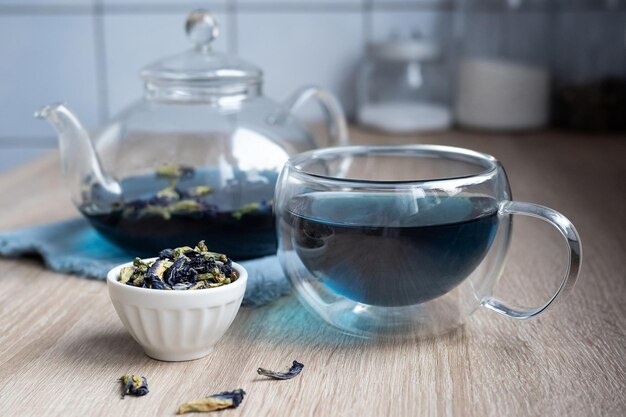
62 347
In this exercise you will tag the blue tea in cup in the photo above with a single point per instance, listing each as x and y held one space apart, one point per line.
405 240
391 250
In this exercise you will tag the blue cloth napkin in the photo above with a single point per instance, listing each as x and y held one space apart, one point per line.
74 247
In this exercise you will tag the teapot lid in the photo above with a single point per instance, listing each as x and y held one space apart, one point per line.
201 65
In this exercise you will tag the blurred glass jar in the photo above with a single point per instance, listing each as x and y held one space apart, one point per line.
504 54
401 86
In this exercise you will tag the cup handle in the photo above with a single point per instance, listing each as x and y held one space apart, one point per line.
574 257
337 125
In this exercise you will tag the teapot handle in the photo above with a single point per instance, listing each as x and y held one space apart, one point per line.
338 127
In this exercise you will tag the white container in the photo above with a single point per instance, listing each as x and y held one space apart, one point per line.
176 325
501 95
504 63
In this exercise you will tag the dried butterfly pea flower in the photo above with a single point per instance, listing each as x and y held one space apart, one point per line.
214 256
166 254
140 268
248 208
227 399
138 281
182 286
159 267
174 171
181 269
129 212
154 211
178 252
134 385
154 283
154 275
201 247
171 200
169 193
204 277
126 274
261 206
295 369
198 191
185 207
200 285
199 264
187 275
166 205
172 273
140 265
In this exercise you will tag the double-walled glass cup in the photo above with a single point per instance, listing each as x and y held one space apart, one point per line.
402 240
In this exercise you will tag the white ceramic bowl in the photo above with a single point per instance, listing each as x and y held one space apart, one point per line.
176 325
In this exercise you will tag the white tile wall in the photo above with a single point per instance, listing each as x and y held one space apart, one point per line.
89 52
316 4
527 37
163 5
502 5
519 36
63 3
207 4
308 48
480 34
405 3
45 59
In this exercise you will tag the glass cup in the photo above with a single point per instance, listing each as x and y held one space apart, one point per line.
402 240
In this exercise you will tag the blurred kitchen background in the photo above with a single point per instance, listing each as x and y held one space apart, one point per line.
88 53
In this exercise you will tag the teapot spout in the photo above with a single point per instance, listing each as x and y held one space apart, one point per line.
82 172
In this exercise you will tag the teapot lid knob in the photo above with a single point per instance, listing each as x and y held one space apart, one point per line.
202 28
200 66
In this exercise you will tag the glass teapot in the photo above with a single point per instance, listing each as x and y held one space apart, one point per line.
196 158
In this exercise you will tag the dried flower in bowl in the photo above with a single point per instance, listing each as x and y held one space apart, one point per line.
183 268
155 318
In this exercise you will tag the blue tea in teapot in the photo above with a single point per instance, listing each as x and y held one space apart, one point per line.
176 205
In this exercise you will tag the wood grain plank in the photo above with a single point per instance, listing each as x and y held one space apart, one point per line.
62 347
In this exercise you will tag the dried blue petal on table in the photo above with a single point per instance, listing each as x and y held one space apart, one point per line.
227 399
134 385
295 369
